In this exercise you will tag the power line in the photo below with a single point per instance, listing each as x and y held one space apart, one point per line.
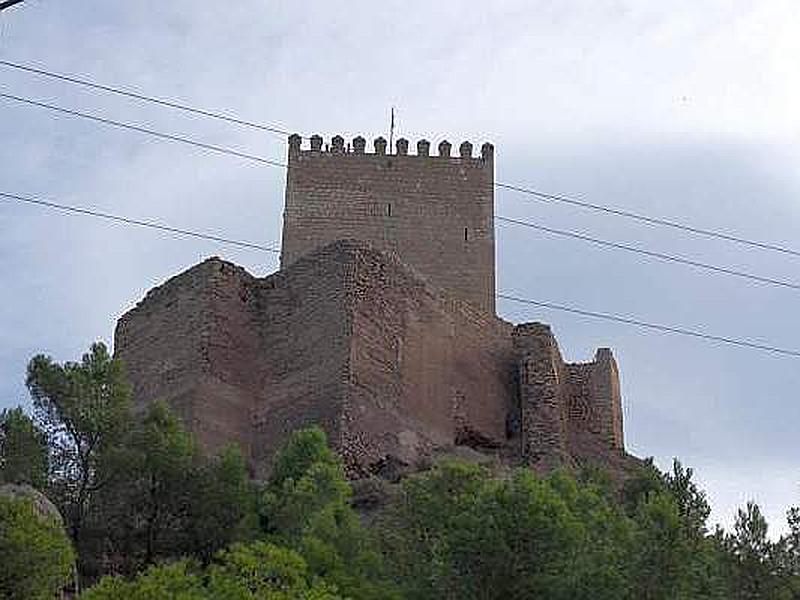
549 305
711 233
144 98
137 222
652 326
650 253
543 196
9 3
654 221
144 130
259 159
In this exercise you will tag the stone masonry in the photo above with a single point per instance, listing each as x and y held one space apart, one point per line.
379 327
435 212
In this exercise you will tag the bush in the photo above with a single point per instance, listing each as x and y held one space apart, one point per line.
36 557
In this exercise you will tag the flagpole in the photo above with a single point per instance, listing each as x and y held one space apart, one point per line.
391 132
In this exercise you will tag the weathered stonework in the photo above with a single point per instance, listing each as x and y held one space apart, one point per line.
366 336
435 212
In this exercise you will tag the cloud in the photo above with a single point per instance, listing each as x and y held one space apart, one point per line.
670 110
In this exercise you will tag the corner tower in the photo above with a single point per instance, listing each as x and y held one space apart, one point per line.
434 212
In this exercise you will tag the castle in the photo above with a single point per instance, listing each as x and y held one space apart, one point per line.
380 327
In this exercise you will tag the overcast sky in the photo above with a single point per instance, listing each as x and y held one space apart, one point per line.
667 109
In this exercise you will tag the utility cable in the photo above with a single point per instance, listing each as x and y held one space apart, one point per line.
144 130
650 253
653 326
656 221
542 196
253 157
138 222
504 296
144 98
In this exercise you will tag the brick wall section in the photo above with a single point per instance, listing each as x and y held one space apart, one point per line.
189 343
595 408
426 370
542 394
435 212
350 338
570 413
304 329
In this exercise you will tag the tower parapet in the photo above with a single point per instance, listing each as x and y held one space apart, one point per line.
381 148
434 211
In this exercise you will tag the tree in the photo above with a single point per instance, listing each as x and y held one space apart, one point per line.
752 555
460 532
660 555
257 571
137 517
691 501
170 500
222 507
786 558
264 570
23 450
36 557
83 408
305 506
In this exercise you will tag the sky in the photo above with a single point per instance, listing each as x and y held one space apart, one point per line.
681 110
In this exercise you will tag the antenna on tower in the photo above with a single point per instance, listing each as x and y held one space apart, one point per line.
391 132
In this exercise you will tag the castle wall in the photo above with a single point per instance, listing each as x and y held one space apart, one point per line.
435 212
427 371
189 343
353 340
242 360
543 397
595 407
570 413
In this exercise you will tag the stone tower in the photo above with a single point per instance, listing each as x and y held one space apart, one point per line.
434 212
379 327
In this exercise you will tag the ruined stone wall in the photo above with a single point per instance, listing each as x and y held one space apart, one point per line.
427 371
303 328
570 413
351 339
435 212
347 337
595 406
543 397
242 360
189 343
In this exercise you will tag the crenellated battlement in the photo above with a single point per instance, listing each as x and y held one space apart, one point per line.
380 327
358 147
436 212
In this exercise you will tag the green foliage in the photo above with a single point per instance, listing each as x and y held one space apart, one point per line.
137 493
83 408
305 506
222 507
133 490
459 532
759 568
178 580
257 571
636 489
661 549
263 570
169 501
36 557
23 450
134 519
788 556
462 532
